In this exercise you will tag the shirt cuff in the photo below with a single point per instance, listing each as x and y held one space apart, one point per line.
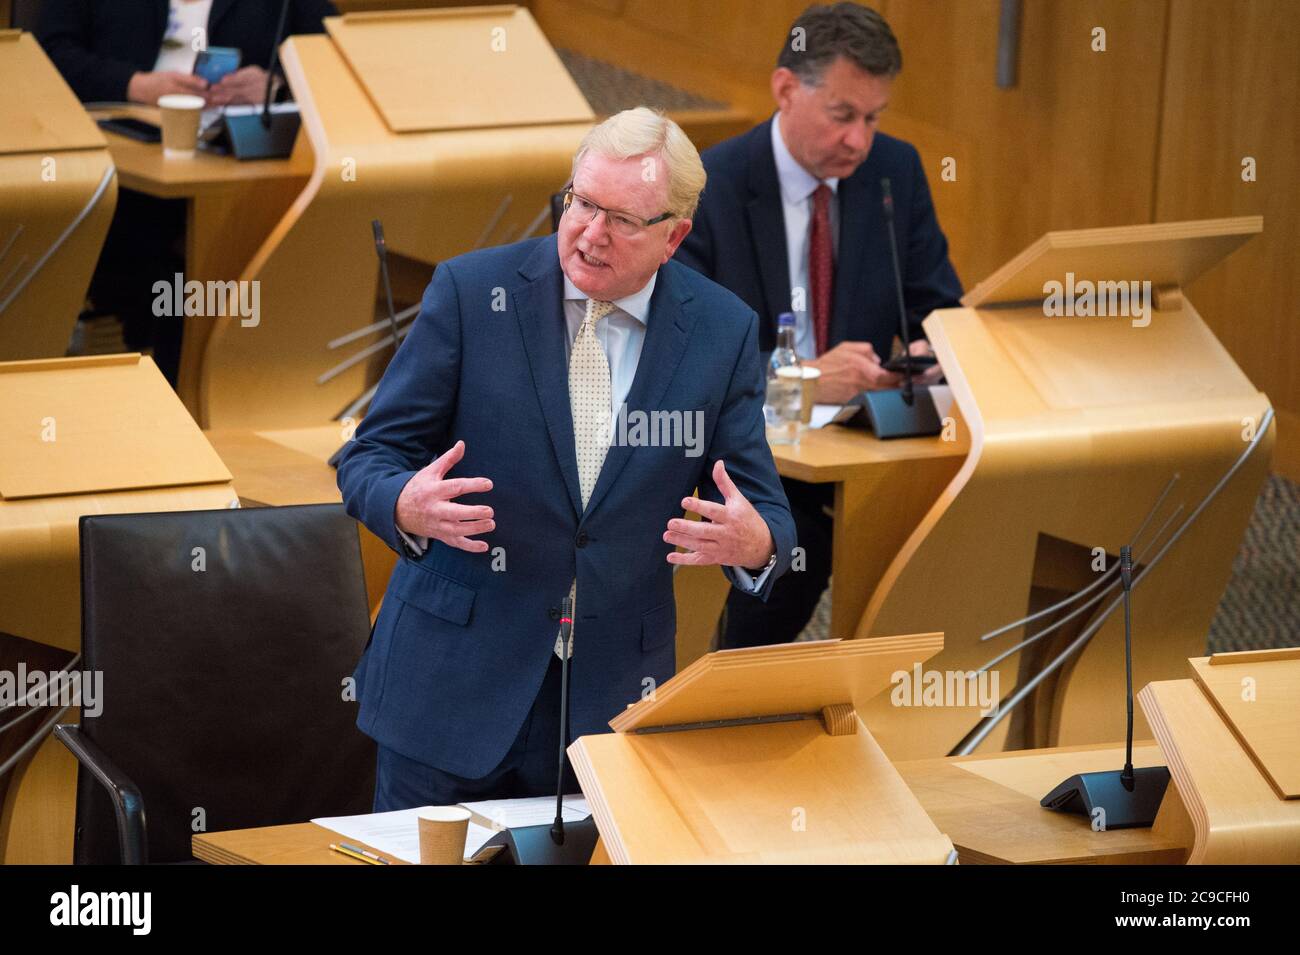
415 546
750 583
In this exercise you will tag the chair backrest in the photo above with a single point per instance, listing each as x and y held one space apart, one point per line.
226 640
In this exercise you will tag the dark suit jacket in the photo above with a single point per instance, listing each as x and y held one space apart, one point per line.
99 44
463 641
739 240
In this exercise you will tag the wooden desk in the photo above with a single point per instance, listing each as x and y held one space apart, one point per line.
232 207
882 490
303 843
988 806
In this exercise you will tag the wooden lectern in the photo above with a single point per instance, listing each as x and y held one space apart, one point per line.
58 191
1231 740
1079 423
97 435
759 756
453 127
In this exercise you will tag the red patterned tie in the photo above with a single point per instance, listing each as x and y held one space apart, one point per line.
821 266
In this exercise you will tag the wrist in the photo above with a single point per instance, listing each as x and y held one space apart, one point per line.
134 87
768 560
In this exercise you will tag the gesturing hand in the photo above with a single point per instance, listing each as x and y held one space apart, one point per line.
731 533
426 506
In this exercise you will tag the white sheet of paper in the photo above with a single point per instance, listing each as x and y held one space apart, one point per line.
396 833
534 811
822 414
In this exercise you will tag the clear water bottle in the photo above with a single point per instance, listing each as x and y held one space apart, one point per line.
784 386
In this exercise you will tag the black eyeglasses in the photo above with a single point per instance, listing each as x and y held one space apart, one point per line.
623 223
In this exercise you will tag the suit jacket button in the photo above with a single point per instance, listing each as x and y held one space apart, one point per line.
553 613
582 539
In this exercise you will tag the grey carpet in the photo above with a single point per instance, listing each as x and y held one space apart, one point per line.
610 89
1259 609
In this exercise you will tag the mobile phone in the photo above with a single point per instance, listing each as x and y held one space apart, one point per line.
919 363
132 129
215 62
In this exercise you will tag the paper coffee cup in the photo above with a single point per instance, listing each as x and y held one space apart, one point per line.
181 113
443 830
810 376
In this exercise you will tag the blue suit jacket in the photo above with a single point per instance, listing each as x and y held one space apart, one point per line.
739 240
460 649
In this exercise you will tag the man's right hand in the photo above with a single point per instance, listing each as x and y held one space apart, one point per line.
426 506
849 368
148 88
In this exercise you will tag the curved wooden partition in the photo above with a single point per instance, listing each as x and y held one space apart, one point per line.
1077 426
439 191
1235 816
58 189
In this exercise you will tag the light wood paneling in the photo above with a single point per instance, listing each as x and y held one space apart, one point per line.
1070 146
1231 87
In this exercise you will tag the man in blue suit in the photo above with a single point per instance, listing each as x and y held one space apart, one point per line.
792 221
581 387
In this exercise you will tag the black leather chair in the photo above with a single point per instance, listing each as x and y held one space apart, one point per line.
226 640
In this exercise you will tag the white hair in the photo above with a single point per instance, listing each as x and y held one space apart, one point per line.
643 131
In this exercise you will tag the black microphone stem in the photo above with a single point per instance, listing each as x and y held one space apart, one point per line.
270 69
381 250
566 637
888 203
1126 576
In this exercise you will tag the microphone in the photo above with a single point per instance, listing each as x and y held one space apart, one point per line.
275 61
566 646
270 135
887 204
909 411
556 844
1126 578
381 250
1125 798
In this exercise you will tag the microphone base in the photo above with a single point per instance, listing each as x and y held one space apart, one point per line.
1103 796
889 416
533 845
247 138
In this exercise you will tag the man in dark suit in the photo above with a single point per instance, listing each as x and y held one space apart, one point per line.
112 52
534 363
791 221
140 50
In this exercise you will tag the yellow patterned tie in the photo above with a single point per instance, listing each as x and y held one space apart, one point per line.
589 402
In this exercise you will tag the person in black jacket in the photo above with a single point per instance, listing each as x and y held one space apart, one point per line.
110 51
791 221
137 51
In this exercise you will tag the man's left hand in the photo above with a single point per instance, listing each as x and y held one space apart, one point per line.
731 533
932 374
245 86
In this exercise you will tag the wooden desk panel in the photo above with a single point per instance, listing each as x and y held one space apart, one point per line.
988 806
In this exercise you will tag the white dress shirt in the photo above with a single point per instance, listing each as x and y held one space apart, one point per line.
621 334
797 187
183 18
